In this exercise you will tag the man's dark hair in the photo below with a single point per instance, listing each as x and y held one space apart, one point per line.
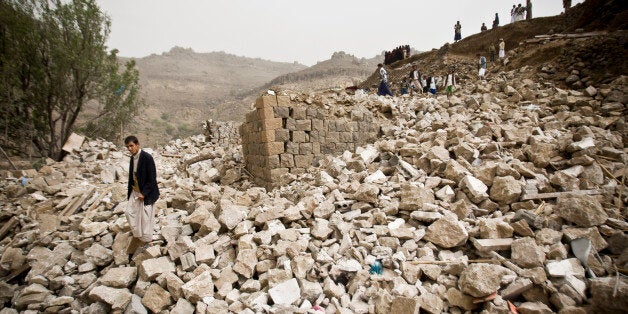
131 138
379 65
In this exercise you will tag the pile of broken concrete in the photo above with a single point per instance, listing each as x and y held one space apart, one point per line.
464 204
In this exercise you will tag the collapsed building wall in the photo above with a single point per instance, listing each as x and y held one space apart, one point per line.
283 136
223 133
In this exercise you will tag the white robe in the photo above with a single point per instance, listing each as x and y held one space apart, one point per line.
141 218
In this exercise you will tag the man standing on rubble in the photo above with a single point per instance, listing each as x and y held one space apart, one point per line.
142 193
383 88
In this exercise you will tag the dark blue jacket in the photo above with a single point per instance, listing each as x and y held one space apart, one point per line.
146 177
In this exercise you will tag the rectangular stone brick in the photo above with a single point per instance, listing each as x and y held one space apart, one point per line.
317 125
493 244
298 113
316 148
341 125
266 113
272 124
333 137
292 148
274 148
267 136
304 125
278 172
305 148
352 126
283 101
299 137
341 147
311 113
314 136
346 137
303 161
283 112
328 148
357 115
363 126
286 160
291 124
282 135
266 101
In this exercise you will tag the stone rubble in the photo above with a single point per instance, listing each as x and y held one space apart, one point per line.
447 187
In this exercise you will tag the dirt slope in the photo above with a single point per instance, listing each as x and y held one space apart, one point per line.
596 59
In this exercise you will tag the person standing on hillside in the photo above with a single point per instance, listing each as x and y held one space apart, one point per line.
528 9
457 31
496 21
491 51
383 88
513 13
142 193
481 66
431 85
566 5
450 83
502 48
415 80
483 27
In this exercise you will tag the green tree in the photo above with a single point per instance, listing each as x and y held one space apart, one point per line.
57 61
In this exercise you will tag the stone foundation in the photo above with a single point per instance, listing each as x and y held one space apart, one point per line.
282 136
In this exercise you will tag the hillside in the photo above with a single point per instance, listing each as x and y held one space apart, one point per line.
341 70
183 87
555 47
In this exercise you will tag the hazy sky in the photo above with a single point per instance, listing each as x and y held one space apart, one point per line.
299 30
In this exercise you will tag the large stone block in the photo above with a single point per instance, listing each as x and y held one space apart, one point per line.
267 136
266 113
199 287
479 279
286 292
304 125
272 124
447 232
266 101
151 268
156 298
274 148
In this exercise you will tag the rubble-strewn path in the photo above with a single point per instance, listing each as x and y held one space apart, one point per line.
468 203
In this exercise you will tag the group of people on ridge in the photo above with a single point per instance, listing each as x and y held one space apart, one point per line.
520 13
397 54
415 82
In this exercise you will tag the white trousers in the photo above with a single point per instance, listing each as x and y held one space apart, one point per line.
141 218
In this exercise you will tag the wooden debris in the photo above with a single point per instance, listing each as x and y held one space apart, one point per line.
16 272
89 212
9 225
9 159
606 171
77 203
171 156
183 167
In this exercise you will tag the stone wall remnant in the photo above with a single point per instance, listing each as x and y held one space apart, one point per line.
282 137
